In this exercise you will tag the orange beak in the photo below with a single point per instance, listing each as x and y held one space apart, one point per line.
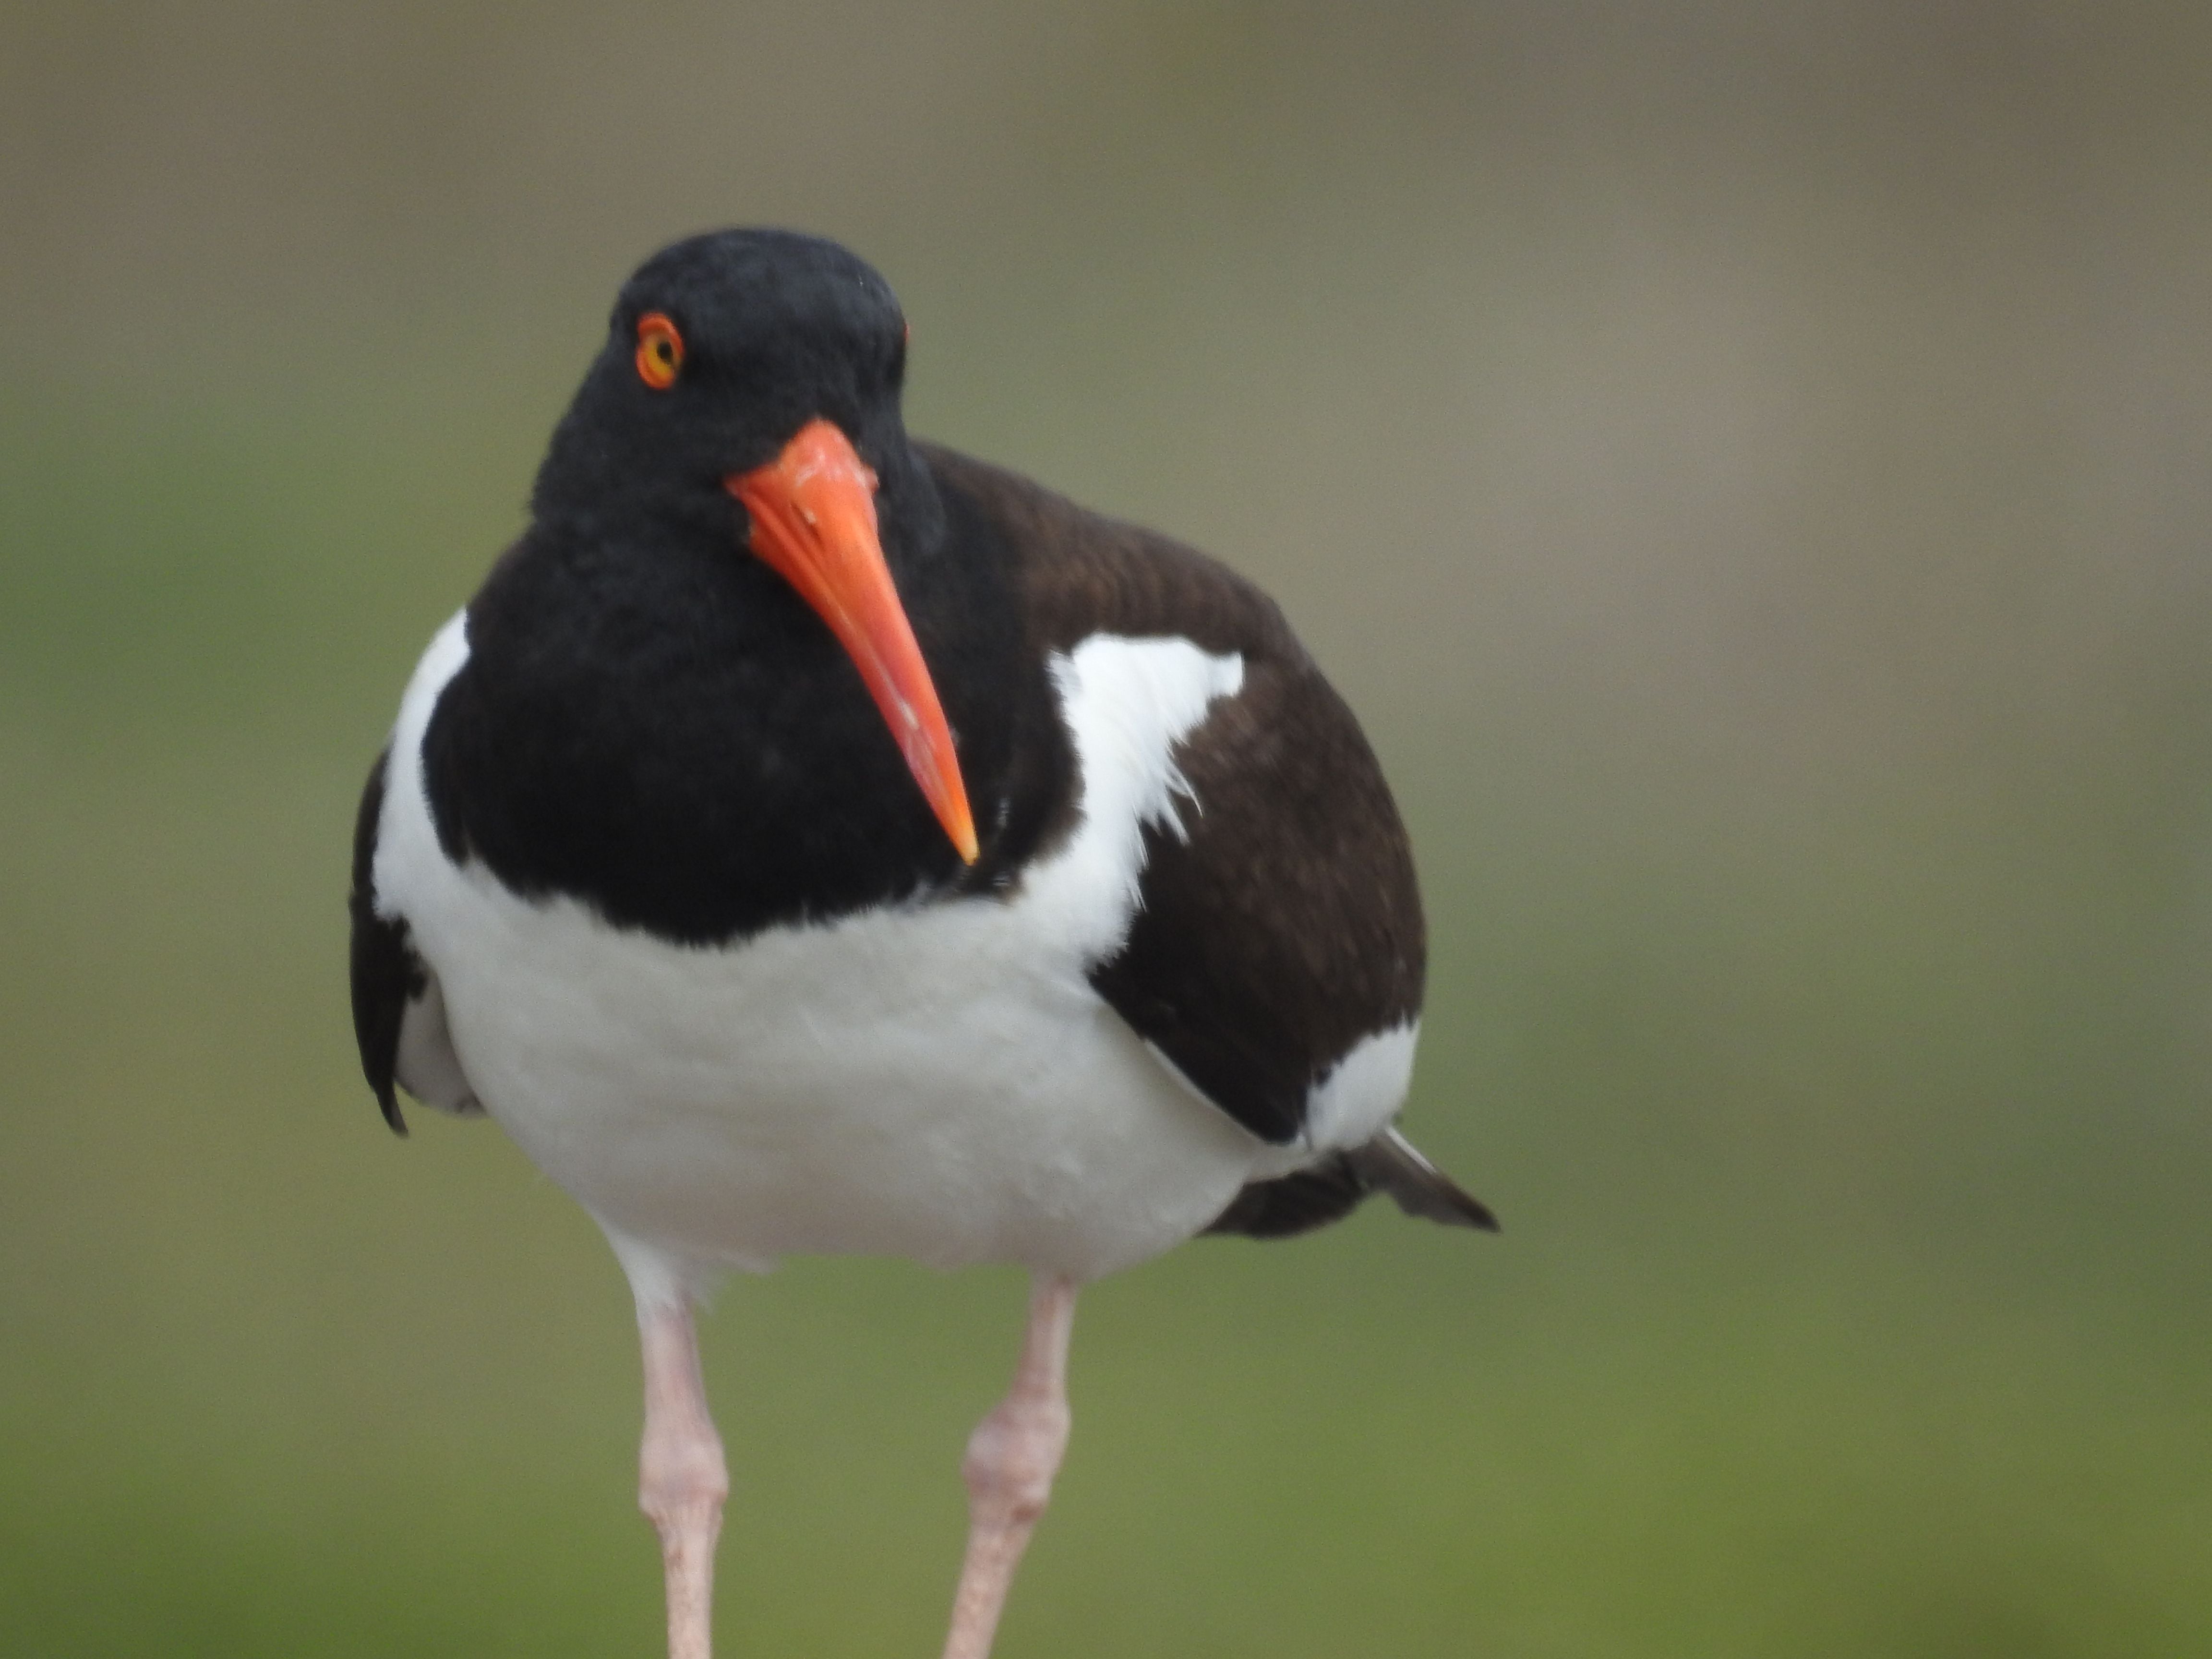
813 510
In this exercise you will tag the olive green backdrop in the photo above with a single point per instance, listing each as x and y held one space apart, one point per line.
1750 465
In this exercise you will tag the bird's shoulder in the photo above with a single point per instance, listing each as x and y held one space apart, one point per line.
1079 573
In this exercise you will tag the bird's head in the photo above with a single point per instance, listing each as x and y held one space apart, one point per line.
748 393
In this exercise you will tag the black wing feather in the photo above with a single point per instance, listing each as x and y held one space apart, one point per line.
386 970
1281 923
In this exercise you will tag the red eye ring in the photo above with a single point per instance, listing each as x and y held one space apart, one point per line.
659 350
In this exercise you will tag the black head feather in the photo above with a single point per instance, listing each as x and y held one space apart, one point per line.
778 329
651 720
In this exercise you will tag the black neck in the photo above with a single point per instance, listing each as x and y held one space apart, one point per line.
655 724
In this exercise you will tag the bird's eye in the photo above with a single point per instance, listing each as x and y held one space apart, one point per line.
659 350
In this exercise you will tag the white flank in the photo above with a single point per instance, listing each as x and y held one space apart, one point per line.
426 1064
1363 1091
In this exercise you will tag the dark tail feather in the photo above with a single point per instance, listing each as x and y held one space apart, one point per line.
1392 1164
1331 1189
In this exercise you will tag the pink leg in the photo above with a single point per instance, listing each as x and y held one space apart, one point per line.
681 1479
1012 1459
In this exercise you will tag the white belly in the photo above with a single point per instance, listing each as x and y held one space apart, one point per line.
936 1081
793 1096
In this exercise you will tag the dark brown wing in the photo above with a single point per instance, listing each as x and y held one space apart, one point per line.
1283 924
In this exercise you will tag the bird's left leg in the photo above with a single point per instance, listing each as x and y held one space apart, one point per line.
1012 1459
682 1479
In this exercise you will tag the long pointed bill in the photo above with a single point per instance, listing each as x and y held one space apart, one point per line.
814 522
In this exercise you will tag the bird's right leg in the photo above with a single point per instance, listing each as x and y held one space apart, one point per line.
1012 1459
682 1479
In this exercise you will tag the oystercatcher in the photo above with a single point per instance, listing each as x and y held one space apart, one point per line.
812 840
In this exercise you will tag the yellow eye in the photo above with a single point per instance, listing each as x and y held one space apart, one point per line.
659 350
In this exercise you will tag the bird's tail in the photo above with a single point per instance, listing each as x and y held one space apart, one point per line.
1331 1188
1392 1164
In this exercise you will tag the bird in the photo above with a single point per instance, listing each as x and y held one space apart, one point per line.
810 840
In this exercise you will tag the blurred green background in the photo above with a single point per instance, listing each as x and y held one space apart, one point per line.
1749 464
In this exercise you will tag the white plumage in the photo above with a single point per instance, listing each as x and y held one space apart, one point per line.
935 1081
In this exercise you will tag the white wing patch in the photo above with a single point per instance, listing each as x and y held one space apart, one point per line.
1126 703
1363 1091
1352 1105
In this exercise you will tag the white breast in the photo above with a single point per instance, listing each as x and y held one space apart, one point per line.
935 1081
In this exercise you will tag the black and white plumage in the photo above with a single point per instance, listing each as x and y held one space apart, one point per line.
664 871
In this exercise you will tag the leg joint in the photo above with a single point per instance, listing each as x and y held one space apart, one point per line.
1013 1455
